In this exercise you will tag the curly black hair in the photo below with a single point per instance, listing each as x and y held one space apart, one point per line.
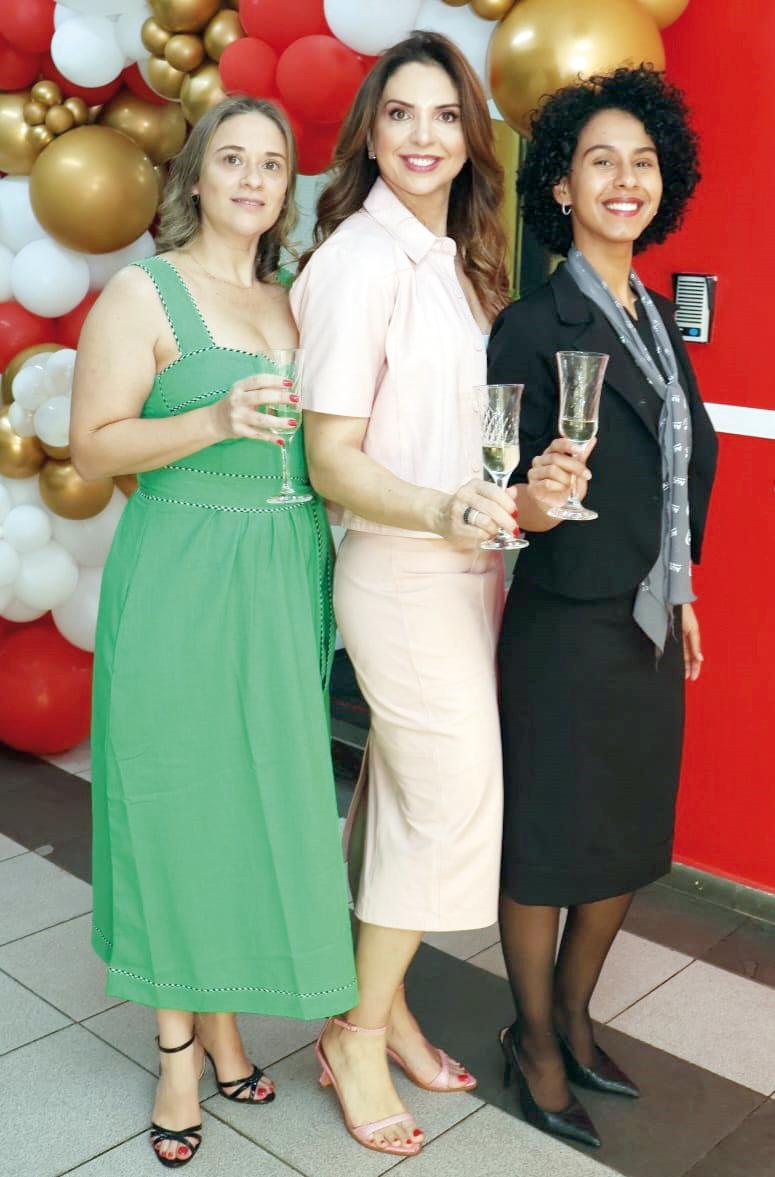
556 126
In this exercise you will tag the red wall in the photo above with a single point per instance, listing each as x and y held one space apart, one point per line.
726 820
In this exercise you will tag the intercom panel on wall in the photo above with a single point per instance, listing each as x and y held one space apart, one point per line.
695 296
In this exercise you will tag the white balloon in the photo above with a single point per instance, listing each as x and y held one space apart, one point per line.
6 257
48 279
58 374
18 223
6 502
88 540
24 490
10 563
21 421
76 619
102 266
16 610
86 51
27 528
63 12
128 27
468 31
47 577
6 596
369 26
97 7
52 421
29 387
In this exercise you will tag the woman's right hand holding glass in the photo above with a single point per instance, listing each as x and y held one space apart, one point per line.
551 473
486 509
239 413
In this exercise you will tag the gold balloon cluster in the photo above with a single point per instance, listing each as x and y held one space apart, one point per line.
186 39
665 12
47 114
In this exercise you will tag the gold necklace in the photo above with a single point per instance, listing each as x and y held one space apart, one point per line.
216 278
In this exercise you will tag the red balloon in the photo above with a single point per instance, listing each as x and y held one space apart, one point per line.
45 685
18 69
318 77
138 85
282 21
68 328
248 67
316 147
19 329
29 24
92 95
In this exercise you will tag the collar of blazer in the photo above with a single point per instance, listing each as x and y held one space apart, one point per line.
587 329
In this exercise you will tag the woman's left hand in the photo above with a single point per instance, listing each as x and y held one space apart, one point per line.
693 658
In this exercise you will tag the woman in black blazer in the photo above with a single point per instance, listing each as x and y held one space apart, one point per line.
591 702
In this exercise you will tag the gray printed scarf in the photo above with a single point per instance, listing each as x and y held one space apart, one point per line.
669 582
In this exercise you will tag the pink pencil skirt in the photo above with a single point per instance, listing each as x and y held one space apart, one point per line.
420 623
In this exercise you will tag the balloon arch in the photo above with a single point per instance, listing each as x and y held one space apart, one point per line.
96 96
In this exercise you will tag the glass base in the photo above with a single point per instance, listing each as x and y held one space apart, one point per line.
295 496
578 514
507 544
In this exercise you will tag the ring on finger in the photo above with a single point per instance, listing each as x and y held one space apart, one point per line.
470 516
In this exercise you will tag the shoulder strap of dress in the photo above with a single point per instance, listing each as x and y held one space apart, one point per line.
183 315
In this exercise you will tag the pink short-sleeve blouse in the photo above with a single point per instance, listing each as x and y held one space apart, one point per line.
388 334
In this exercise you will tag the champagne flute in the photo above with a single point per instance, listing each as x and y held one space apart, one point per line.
288 363
581 375
499 408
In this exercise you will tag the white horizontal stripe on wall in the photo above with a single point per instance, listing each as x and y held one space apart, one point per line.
742 421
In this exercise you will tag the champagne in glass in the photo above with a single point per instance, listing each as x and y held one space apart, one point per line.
287 362
499 407
581 375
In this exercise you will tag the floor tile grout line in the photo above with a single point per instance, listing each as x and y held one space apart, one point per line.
59 924
11 857
263 1147
97 1155
738 1126
35 1041
45 1000
648 993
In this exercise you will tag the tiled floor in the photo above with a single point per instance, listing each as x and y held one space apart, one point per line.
686 1004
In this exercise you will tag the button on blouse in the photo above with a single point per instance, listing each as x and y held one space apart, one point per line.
388 335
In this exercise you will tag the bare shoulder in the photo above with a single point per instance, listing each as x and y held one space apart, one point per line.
129 300
275 292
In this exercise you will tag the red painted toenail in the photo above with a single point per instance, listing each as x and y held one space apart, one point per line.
417 1132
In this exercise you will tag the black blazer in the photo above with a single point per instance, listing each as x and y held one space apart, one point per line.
612 554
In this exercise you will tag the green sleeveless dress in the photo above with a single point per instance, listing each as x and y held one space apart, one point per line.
218 875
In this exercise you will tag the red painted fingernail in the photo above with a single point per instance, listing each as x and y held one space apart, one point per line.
514 514
294 397
280 441
516 530
292 424
287 384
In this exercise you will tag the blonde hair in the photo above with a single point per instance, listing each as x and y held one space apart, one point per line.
179 216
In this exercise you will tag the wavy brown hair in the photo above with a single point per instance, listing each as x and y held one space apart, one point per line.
179 217
474 205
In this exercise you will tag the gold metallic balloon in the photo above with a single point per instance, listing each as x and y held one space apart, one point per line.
545 44
200 91
163 78
46 92
17 153
59 119
184 51
665 11
224 28
456 3
161 171
159 130
184 16
9 375
20 457
492 9
153 36
232 4
78 109
94 190
39 137
67 494
126 483
58 452
34 113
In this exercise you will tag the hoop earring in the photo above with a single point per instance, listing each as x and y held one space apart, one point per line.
372 155
195 199
565 209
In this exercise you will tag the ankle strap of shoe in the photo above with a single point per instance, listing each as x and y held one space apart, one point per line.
175 1049
372 1031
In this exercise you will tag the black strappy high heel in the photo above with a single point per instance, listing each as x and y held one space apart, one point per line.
249 1083
187 1135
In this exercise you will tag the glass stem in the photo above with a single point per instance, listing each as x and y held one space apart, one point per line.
573 500
503 483
286 487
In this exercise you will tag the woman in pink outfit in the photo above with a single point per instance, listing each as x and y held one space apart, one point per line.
393 308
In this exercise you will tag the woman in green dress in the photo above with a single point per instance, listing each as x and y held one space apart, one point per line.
218 880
